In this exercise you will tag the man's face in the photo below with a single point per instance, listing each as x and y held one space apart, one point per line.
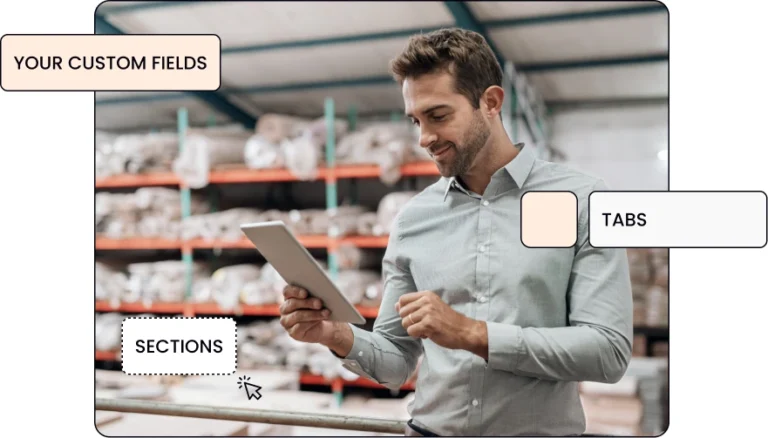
450 128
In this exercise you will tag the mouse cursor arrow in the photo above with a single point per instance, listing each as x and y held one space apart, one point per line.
252 390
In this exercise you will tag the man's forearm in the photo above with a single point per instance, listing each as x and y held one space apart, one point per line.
340 340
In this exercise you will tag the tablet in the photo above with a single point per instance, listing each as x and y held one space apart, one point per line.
297 267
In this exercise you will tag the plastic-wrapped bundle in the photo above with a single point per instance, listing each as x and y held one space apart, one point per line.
139 153
354 283
260 153
110 283
104 150
389 207
258 293
227 283
108 327
350 256
275 128
201 290
251 355
388 144
273 281
205 150
301 222
341 222
302 156
222 225
147 212
160 281
366 223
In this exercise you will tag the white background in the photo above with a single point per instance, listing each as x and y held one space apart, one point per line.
175 361
717 298
679 219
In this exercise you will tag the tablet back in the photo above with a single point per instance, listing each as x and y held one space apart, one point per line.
297 267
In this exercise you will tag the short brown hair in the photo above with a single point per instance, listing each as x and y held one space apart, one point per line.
463 53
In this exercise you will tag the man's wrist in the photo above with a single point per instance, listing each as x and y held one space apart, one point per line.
476 338
339 340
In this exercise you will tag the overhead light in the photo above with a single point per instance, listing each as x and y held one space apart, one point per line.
662 155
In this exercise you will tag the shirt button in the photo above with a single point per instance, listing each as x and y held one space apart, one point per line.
360 353
482 248
482 299
485 203
475 402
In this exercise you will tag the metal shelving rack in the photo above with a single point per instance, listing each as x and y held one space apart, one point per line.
329 174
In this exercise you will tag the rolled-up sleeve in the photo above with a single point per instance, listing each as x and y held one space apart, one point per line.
387 354
597 343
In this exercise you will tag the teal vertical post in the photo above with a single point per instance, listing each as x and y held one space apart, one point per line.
330 181
186 204
352 117
331 202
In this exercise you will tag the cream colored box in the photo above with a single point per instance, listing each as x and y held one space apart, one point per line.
110 62
549 219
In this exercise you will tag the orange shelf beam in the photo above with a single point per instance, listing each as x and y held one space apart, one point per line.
138 180
245 175
104 306
312 379
367 241
140 243
106 355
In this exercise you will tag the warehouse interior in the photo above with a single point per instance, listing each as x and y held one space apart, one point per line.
308 127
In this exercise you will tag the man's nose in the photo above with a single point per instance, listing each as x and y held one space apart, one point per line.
427 138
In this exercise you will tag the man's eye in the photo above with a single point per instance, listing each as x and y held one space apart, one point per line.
415 122
438 118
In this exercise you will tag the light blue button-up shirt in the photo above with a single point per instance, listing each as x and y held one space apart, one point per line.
555 316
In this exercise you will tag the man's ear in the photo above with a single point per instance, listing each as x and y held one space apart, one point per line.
493 99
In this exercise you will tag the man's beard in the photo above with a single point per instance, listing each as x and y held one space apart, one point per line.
471 145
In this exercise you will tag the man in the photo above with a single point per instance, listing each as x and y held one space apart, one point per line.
506 331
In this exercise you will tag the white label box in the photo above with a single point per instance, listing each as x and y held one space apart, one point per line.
678 219
176 345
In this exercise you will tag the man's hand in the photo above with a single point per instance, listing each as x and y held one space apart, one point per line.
304 318
426 316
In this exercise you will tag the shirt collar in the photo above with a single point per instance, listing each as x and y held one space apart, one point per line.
519 168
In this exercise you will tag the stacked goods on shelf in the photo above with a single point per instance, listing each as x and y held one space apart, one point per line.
135 153
150 212
221 225
278 142
269 344
613 409
294 143
108 331
346 220
653 392
636 405
207 149
163 281
111 283
649 273
387 144
232 286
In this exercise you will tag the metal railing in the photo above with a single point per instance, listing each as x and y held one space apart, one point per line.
330 421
